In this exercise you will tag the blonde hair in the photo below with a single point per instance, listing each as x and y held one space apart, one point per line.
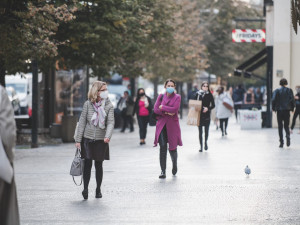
93 92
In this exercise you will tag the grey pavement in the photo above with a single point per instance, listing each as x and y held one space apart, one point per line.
210 187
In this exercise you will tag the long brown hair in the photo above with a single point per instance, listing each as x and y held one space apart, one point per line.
169 80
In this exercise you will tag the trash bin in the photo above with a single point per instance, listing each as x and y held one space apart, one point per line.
250 119
68 126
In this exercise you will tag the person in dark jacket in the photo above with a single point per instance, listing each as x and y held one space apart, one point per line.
143 109
297 111
238 97
125 105
208 104
283 102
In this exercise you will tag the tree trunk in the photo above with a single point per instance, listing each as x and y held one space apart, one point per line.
2 73
155 84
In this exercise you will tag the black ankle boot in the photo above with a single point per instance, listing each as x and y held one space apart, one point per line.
281 145
162 175
85 193
201 148
205 146
98 194
288 142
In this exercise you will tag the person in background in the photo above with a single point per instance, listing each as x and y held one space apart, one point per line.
282 103
258 97
125 105
249 97
208 104
9 210
193 92
297 111
167 126
222 112
129 90
238 97
95 128
143 109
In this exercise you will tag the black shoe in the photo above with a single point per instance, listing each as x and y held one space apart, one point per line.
98 194
122 131
85 194
205 147
174 170
281 145
131 131
162 175
201 149
225 132
141 143
222 134
288 142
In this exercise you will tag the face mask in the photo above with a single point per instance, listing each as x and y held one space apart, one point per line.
170 90
104 94
142 94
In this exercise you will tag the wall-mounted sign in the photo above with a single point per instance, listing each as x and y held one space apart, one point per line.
248 35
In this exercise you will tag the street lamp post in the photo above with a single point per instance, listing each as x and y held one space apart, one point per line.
34 118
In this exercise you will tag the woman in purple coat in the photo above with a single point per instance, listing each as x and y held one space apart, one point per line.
167 127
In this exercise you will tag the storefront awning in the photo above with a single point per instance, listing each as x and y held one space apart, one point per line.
252 64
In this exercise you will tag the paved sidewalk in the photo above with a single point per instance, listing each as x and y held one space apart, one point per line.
210 187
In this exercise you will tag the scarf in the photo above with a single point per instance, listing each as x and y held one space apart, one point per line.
202 93
99 114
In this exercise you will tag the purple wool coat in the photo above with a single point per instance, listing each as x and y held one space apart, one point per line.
170 104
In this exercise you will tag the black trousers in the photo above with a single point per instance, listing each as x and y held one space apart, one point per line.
206 129
87 173
163 143
143 123
127 119
283 119
222 122
236 108
296 114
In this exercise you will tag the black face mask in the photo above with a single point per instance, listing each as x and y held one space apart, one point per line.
142 94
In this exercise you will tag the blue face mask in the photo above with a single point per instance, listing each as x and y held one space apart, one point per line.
170 90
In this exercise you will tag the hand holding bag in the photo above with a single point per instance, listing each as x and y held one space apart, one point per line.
77 166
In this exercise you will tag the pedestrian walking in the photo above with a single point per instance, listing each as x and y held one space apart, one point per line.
208 104
126 106
167 127
238 97
282 103
258 97
222 111
297 111
9 210
249 97
95 129
143 109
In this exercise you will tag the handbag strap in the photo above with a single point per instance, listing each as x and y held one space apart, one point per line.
75 181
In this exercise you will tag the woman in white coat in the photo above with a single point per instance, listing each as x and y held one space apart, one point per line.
223 111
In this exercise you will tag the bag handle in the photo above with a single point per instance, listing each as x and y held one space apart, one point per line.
75 181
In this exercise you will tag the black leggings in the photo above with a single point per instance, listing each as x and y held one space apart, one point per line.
222 121
87 173
206 129
296 114
143 123
163 143
283 119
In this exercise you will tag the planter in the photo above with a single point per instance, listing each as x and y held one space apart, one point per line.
68 126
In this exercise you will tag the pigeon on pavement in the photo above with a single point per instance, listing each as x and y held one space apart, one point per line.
247 170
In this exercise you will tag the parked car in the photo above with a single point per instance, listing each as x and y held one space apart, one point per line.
22 84
13 97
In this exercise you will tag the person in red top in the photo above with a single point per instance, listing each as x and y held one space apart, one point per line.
143 109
